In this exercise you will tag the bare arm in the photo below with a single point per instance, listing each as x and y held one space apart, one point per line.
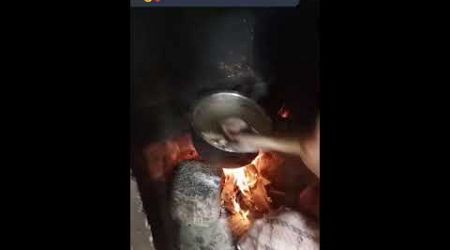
307 148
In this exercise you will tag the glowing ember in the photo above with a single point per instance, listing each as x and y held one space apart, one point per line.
284 112
161 158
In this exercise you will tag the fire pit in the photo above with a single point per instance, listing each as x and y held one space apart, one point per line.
211 205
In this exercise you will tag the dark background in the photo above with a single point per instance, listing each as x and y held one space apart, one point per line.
178 55
70 168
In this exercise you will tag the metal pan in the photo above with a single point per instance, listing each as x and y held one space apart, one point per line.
210 111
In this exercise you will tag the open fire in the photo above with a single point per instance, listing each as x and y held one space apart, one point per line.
244 193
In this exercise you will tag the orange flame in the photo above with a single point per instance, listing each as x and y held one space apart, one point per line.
244 183
241 178
244 192
244 178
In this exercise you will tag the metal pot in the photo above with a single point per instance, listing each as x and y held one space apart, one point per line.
206 118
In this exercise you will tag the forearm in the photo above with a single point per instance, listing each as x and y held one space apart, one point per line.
307 150
310 154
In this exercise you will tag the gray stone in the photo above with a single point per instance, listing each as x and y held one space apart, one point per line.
195 205
212 237
195 197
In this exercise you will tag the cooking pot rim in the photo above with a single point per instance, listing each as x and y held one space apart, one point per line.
225 93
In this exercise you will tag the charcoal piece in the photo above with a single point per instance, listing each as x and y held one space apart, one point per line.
285 229
195 197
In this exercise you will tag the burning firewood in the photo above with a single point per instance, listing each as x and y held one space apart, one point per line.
244 194
239 224
260 199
